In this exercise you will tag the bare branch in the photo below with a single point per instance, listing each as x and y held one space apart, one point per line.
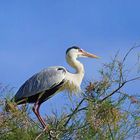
129 51
74 111
120 86
133 79
113 92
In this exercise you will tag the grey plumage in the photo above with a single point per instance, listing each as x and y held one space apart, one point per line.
40 82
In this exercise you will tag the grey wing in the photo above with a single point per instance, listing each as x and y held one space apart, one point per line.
41 81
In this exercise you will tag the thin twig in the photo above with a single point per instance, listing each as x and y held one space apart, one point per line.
133 79
113 92
111 134
74 111
120 86
129 51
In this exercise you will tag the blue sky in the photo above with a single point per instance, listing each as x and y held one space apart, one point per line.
35 34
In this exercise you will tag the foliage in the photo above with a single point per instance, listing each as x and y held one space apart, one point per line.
105 111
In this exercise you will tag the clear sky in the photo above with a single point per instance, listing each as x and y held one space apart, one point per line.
34 34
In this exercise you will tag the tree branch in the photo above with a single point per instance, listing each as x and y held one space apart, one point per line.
74 111
120 86
125 57
113 92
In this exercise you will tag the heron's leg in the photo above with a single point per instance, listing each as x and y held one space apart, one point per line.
36 111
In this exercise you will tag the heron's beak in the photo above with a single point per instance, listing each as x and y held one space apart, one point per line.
86 54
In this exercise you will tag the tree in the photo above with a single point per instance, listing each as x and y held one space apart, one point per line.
104 111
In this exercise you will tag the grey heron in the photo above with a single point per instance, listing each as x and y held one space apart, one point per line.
43 85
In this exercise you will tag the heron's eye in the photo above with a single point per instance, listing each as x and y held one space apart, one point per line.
80 50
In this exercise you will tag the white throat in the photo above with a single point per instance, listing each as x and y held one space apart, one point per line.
77 77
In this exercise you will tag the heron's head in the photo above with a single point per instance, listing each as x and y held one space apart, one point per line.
75 52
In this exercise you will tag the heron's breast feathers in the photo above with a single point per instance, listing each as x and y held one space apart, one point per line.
71 87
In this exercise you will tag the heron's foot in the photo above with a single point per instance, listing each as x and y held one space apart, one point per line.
53 135
46 129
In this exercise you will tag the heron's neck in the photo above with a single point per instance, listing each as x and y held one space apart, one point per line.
75 79
76 65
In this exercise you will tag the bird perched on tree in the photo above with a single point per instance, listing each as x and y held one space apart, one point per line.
43 85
